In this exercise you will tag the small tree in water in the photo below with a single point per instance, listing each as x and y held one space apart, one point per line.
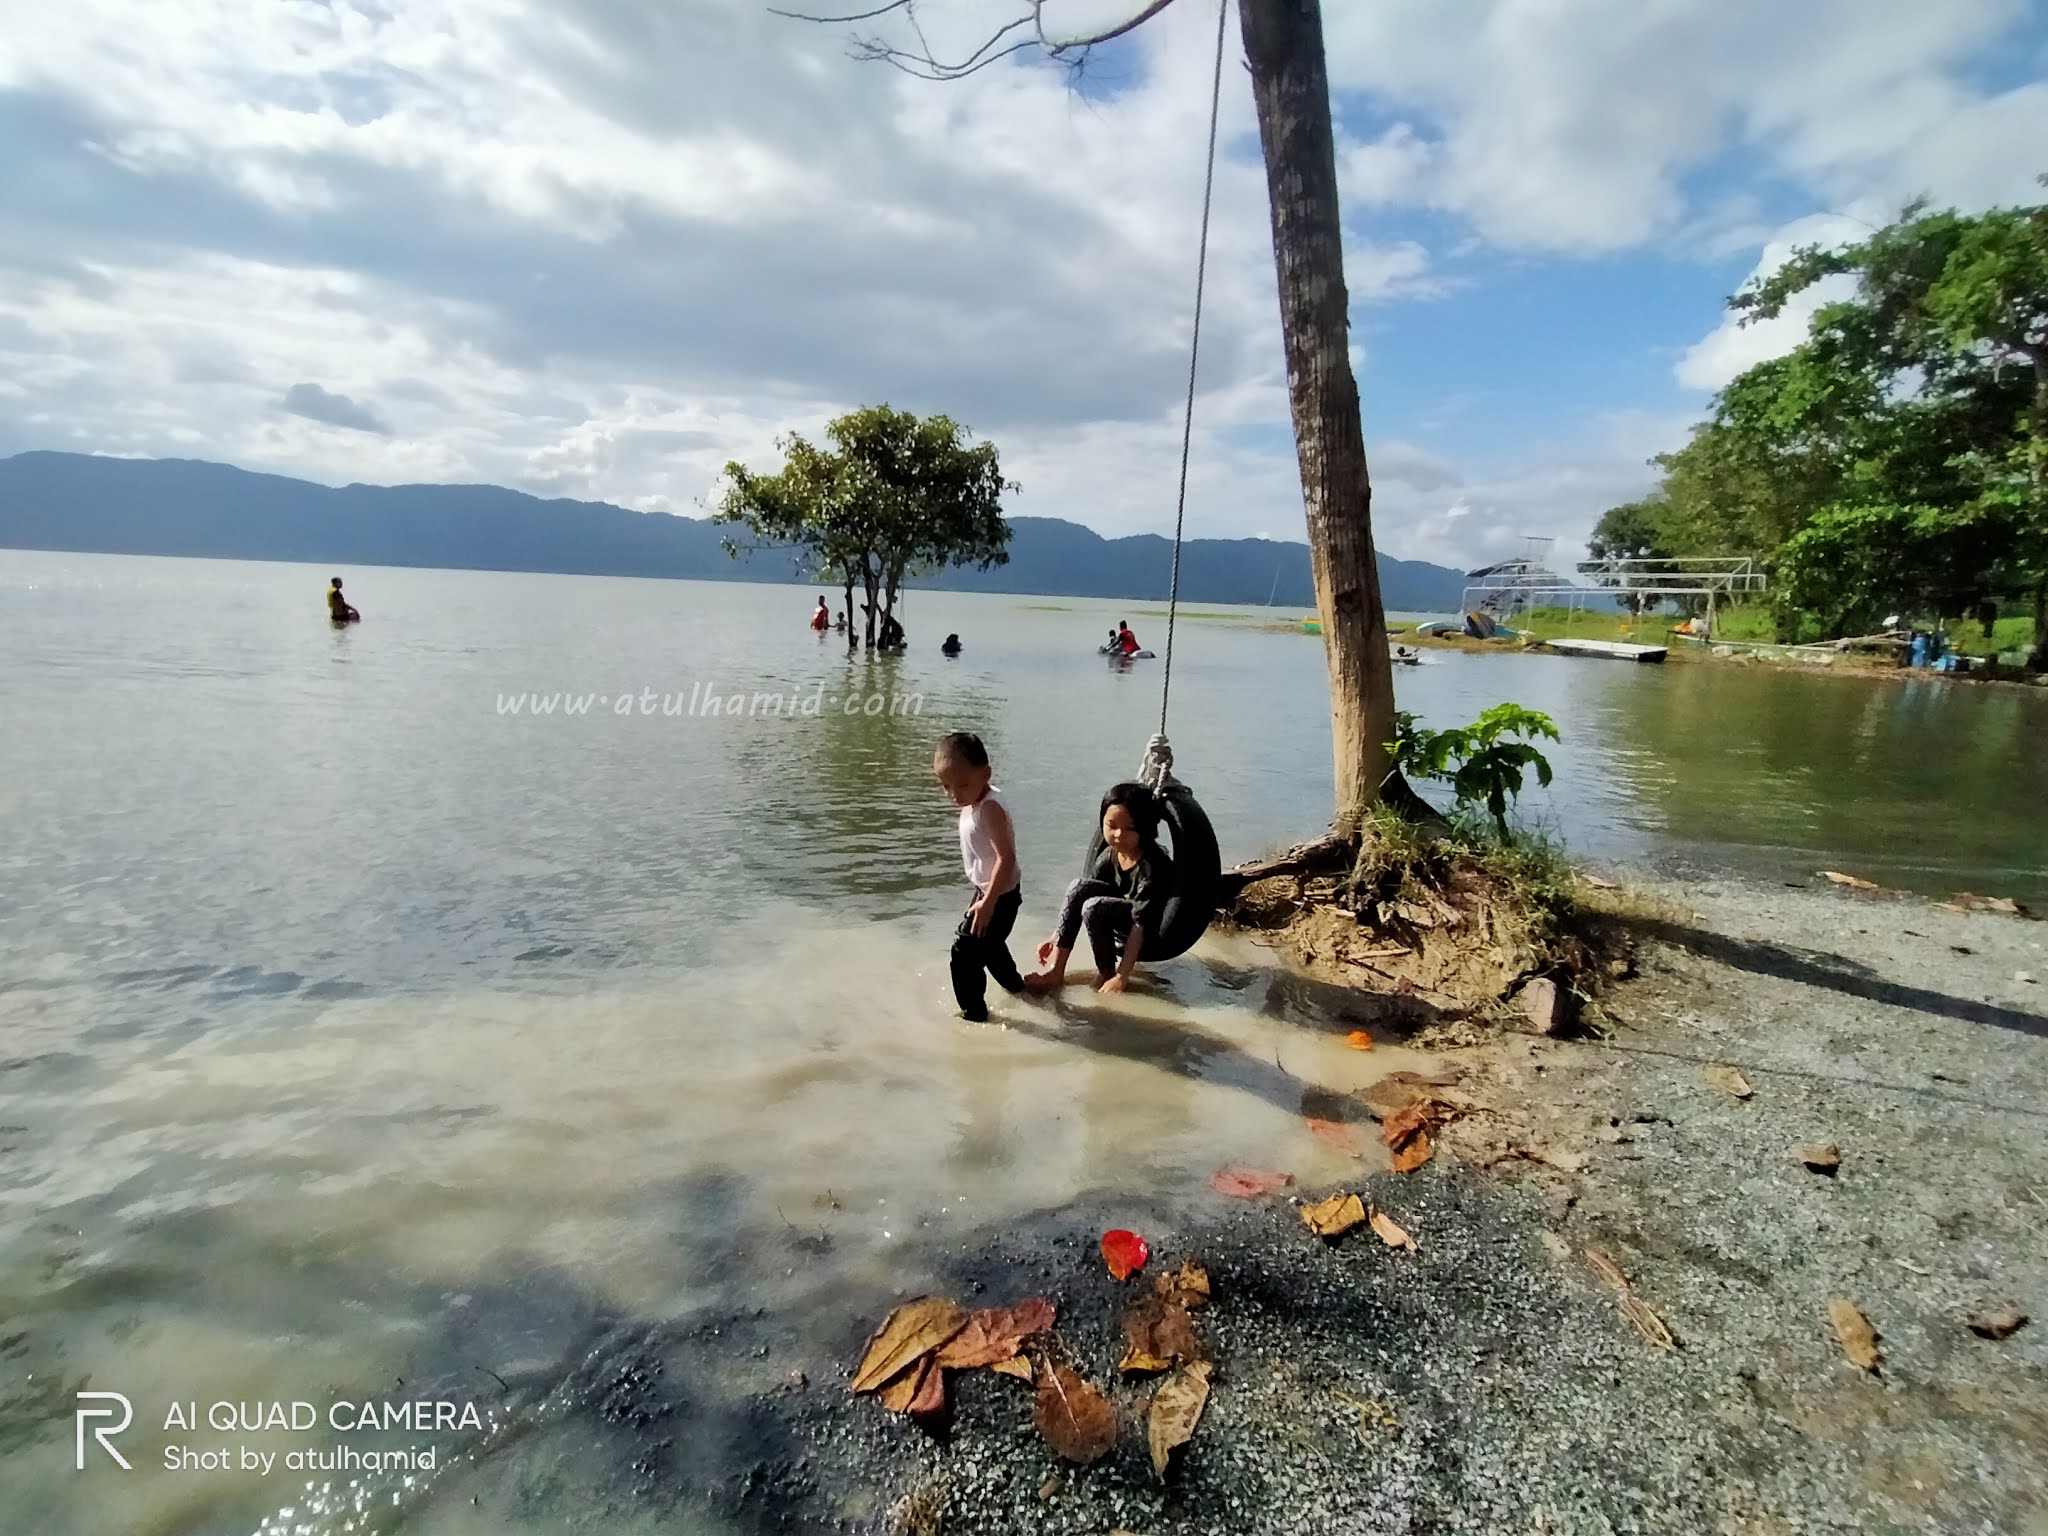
895 494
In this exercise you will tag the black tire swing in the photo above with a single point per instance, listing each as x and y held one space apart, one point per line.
1191 841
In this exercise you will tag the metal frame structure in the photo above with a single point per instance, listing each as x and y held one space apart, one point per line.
1512 586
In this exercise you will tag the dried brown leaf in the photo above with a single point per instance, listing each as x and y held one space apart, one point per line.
1158 1334
1335 1216
1075 1418
914 1329
1854 882
1821 1158
2001 1323
1176 1410
1728 1080
921 1390
1390 1232
1648 1323
1604 1266
1599 884
996 1333
1393 1093
1414 1155
1397 1128
1859 1339
1188 1285
1018 1367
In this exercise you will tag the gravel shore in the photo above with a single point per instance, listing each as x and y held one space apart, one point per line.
1489 1382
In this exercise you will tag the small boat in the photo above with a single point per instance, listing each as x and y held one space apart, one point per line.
1311 626
1114 650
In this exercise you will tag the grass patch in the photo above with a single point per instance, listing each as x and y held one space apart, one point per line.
2015 634
1747 622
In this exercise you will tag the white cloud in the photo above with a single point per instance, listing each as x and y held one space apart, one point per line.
598 247
1732 348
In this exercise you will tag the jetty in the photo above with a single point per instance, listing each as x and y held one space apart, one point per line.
1613 650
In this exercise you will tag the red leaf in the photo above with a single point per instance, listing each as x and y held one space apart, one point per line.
1247 1183
1359 1040
1338 1136
1124 1252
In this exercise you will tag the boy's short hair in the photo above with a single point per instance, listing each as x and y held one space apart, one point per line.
1140 804
964 747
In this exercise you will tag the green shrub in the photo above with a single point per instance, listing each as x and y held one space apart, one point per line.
1480 761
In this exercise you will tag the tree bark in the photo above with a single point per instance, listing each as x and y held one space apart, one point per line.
1283 42
2037 477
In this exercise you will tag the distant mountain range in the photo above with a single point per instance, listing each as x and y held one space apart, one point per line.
189 507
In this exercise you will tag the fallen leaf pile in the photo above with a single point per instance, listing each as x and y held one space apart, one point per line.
1632 1306
1158 1332
1409 1107
905 1363
1333 1217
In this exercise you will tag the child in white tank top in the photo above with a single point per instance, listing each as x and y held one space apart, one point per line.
988 853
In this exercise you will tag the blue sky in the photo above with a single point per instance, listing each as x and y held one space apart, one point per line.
596 248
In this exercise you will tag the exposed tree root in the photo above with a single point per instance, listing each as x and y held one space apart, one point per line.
1485 933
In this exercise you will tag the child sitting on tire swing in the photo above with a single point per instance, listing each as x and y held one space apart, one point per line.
1120 901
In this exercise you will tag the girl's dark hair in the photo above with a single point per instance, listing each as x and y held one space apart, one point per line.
1140 804
965 747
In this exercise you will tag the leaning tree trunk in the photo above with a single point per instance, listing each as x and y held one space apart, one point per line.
1283 41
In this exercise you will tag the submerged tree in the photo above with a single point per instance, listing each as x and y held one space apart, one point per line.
1283 44
894 495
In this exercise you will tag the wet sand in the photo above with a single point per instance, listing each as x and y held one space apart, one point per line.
1487 1383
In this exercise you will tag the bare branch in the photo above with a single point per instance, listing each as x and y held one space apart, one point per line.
1066 45
925 65
833 21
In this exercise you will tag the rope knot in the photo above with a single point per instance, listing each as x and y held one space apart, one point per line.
1156 773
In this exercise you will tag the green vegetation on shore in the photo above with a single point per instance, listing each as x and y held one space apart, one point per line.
1896 462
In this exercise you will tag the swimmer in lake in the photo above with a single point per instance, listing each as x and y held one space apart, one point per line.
337 606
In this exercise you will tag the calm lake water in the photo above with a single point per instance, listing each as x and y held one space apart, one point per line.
354 1030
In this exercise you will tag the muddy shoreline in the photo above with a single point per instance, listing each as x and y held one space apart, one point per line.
1488 1382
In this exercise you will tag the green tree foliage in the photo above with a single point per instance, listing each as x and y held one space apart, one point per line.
1480 761
894 494
1628 532
1897 460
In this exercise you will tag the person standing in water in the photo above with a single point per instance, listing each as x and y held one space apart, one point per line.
822 619
952 645
337 606
988 851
